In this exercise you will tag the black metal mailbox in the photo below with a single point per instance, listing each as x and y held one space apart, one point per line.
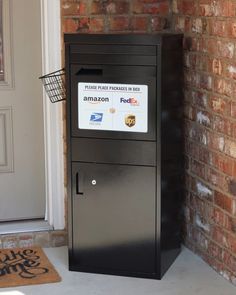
125 152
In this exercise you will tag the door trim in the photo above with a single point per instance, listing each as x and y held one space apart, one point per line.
53 119
8 82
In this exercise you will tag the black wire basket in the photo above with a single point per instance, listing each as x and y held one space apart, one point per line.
54 85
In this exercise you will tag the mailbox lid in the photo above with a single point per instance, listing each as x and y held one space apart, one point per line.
113 49
123 49
113 54
133 39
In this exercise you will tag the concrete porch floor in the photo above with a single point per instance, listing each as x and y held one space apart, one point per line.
189 275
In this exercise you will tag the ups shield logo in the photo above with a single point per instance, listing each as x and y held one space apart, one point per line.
130 120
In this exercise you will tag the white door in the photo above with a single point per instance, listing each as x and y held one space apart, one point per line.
22 189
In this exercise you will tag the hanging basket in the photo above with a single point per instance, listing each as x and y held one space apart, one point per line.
54 85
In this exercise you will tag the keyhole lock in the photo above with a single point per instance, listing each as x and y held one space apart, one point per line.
94 182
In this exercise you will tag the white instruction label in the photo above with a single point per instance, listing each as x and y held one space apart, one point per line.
115 107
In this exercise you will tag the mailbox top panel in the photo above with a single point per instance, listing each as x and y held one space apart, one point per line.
122 39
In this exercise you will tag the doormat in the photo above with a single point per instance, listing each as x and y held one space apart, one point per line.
25 266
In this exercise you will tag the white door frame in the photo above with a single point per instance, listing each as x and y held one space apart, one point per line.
53 121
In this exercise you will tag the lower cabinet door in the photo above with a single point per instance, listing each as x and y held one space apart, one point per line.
113 217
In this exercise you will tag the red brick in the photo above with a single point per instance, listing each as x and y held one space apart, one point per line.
232 191
58 238
218 27
205 155
188 7
121 7
222 163
230 223
210 46
189 112
70 25
225 202
214 250
190 60
220 236
217 179
204 44
216 142
234 131
234 169
200 238
199 26
204 81
233 109
72 9
98 7
10 241
230 147
218 217
139 23
83 24
216 265
176 6
231 240
26 240
192 148
190 43
223 86
231 71
229 260
159 23
231 28
119 23
230 205
110 7
197 168
226 8
199 98
222 125
203 63
96 25
219 105
198 134
216 66
225 49
189 78
200 206
181 24
206 8
151 7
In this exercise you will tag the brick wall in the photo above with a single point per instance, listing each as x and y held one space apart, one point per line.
115 15
210 123
42 239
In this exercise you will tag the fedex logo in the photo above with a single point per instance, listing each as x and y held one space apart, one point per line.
132 101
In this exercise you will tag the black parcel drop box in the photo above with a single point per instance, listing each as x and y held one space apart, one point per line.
125 152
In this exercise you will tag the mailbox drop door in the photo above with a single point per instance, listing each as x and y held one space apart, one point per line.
113 218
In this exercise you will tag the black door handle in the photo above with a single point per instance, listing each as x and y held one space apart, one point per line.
79 183
90 72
